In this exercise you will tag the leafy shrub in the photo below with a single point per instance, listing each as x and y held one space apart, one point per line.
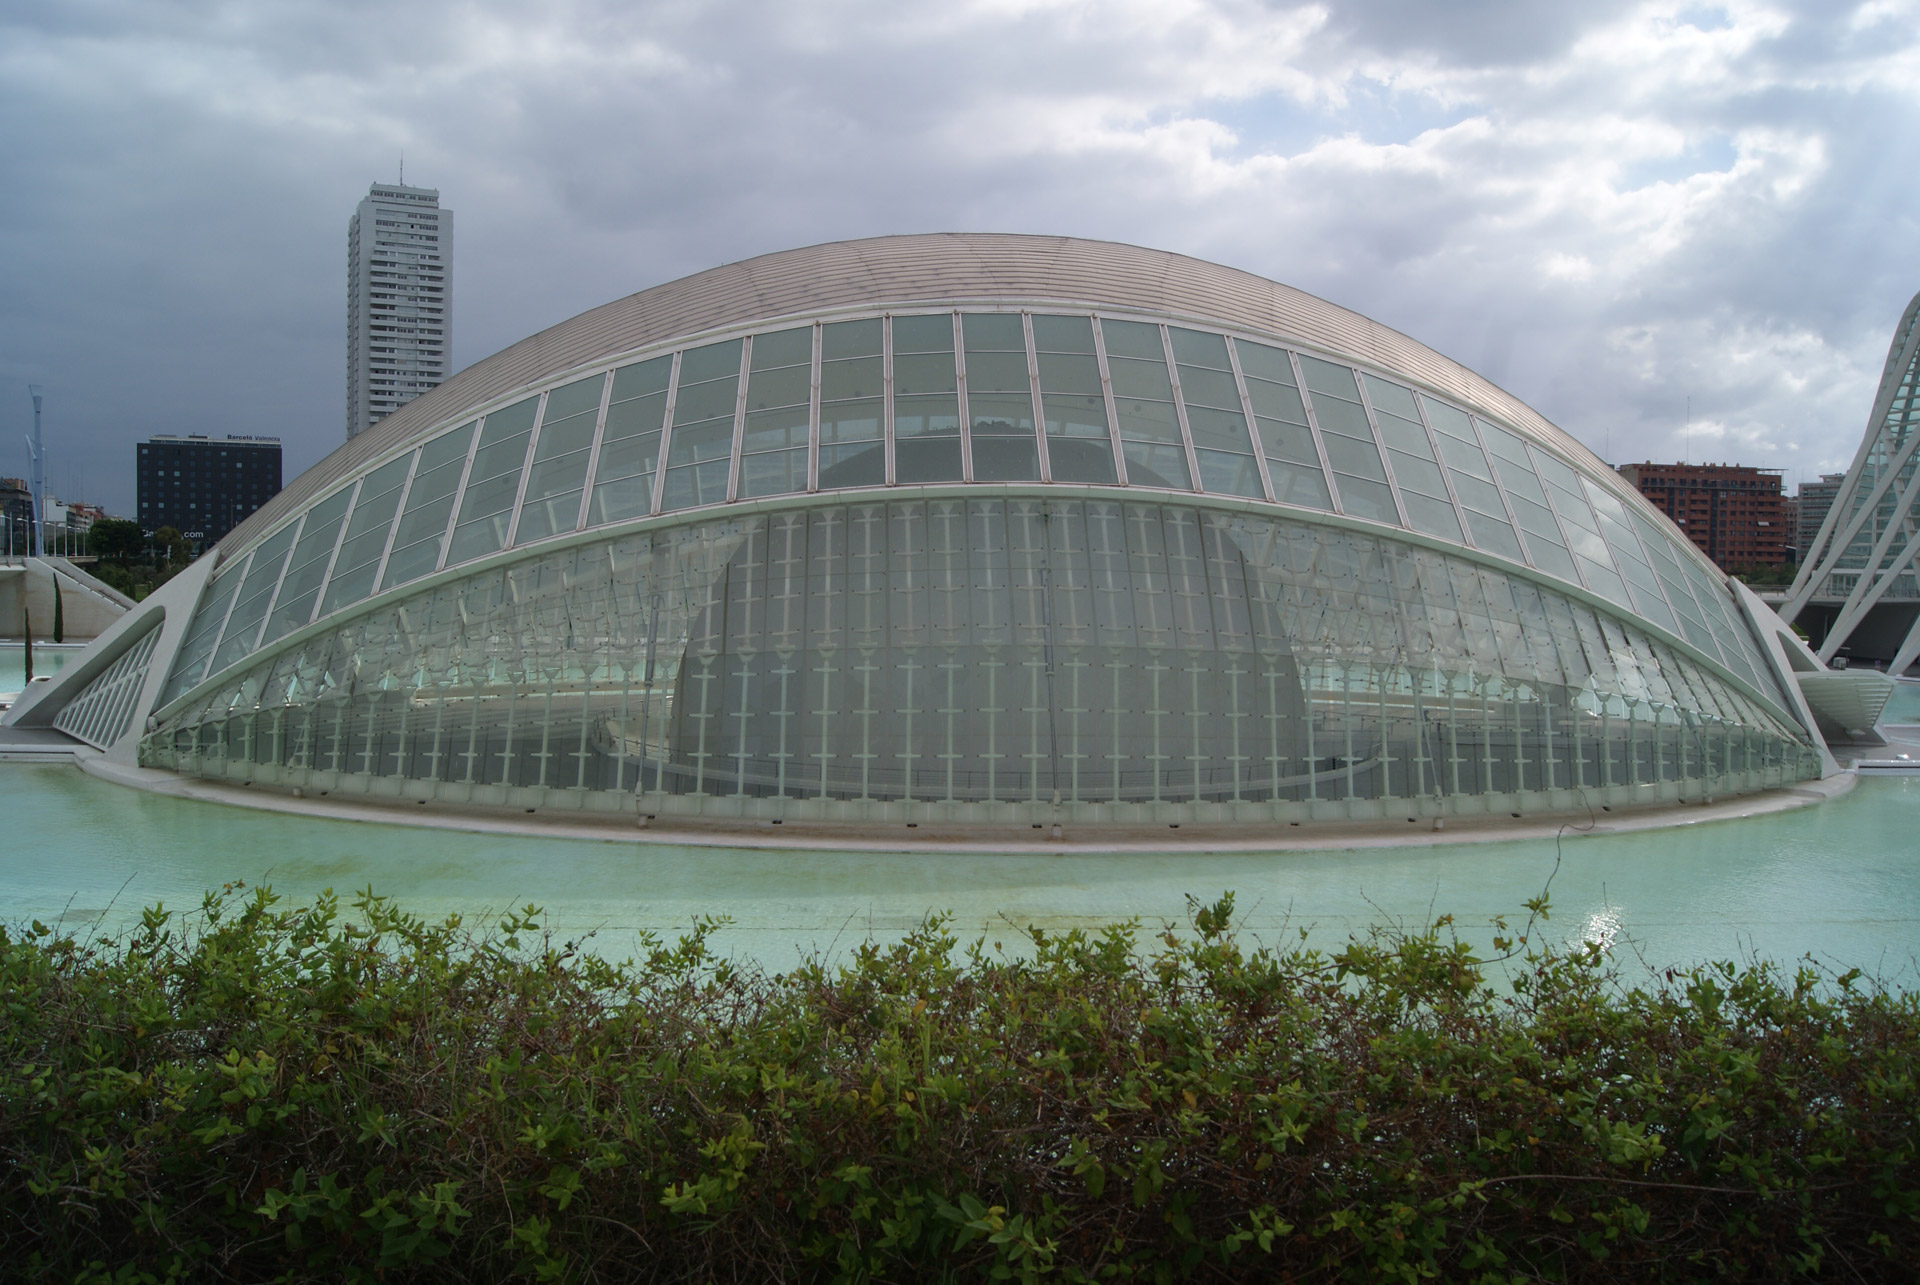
277 1092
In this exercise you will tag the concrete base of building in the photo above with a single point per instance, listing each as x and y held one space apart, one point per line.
1409 825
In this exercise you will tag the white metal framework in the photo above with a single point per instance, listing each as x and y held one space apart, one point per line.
1863 555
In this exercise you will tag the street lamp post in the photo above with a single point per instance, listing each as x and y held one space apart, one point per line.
37 454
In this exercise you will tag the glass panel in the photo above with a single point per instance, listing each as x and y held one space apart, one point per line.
1302 484
492 482
1518 480
930 333
243 625
1349 419
996 372
1133 339
1445 419
782 348
1465 457
191 664
1391 398
1291 442
1257 361
1219 430
630 442
916 374
1202 387
1079 448
992 331
1151 464
1003 441
1142 420
1413 473
1140 377
1433 516
423 526
700 450
1403 435
1495 536
1361 459
551 505
852 452
1062 335
1277 401
1502 443
307 568
773 442
1069 373
366 539
1223 473
1325 377
1364 499
1475 494
1198 348
1552 558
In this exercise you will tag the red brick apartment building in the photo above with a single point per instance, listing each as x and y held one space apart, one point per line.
1736 514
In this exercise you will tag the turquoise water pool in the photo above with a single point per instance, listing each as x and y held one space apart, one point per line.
1904 705
46 660
1840 881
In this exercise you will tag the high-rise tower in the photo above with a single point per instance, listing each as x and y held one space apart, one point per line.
399 300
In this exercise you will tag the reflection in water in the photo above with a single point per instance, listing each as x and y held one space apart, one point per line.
1840 881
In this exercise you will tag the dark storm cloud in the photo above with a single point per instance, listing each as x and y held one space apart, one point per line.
1609 208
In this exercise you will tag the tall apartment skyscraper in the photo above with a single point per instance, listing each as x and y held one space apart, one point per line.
399 300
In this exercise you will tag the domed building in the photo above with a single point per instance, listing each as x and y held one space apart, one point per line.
953 529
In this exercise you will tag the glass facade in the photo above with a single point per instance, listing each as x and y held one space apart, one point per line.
995 558
1003 656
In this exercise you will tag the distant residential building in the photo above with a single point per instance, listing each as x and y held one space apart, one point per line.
1815 499
205 486
399 301
1735 513
81 516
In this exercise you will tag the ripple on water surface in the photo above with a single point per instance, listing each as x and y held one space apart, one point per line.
1840 880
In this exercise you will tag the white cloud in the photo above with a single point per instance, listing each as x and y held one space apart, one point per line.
1609 208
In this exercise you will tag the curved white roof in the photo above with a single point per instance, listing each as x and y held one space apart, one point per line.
916 270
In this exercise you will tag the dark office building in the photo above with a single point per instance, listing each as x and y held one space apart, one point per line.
205 486
1736 514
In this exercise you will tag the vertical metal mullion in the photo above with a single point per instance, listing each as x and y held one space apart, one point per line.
1253 423
666 437
960 397
1380 444
890 470
593 453
813 410
526 470
1113 410
739 420
1180 411
460 494
393 526
1033 392
1313 430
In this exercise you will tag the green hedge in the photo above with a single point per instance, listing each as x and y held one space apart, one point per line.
293 1093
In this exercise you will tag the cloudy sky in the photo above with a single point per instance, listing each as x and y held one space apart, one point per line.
1619 211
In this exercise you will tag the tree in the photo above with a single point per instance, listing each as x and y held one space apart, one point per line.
117 540
170 545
